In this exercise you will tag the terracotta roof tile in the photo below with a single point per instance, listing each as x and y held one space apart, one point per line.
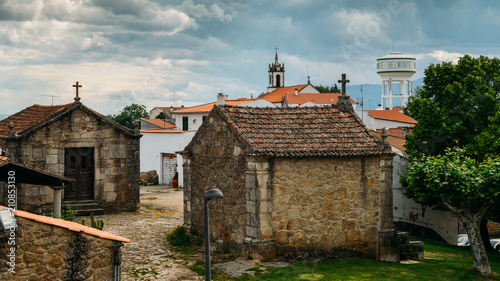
278 94
208 107
28 117
396 141
318 98
160 123
73 226
301 131
391 115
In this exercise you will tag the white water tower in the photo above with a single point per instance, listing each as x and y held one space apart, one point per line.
396 68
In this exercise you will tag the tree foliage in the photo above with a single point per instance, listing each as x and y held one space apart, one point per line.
461 185
162 115
131 115
455 106
326 89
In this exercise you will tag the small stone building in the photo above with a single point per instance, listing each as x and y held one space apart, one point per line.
74 141
44 248
296 181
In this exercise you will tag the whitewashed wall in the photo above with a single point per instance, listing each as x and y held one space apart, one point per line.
444 223
154 144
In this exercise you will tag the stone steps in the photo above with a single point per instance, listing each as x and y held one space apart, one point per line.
84 207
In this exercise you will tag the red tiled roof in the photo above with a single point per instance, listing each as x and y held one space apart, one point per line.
28 117
73 226
396 141
160 123
278 94
301 131
208 107
391 115
168 109
318 98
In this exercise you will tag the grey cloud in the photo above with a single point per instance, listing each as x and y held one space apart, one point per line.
17 10
202 11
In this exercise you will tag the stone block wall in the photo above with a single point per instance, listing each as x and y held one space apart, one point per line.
323 205
47 252
216 162
116 160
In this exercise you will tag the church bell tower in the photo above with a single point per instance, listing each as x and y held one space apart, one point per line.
276 74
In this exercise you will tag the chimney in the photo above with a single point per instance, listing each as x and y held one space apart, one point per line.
296 92
379 107
221 99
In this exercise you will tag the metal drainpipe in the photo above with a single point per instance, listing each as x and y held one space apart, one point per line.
116 262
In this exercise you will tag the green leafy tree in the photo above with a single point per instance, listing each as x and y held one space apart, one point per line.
326 89
461 185
454 106
131 115
162 116
458 107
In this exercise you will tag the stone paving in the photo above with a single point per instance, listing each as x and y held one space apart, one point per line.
148 256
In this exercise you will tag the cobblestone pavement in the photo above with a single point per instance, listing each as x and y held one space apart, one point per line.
148 256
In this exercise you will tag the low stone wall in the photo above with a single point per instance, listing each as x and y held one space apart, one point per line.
47 252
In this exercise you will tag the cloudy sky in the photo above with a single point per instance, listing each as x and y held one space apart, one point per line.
144 51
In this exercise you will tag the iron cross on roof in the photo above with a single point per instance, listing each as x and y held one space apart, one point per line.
344 81
77 98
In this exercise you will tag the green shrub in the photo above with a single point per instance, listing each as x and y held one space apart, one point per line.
180 238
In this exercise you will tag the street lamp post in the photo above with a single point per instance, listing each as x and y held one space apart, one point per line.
211 194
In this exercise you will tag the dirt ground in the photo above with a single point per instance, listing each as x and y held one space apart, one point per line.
148 256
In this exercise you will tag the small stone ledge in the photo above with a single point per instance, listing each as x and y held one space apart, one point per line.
263 250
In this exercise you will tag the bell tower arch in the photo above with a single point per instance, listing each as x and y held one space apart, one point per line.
276 74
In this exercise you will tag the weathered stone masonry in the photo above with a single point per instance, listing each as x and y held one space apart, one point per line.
288 206
48 252
116 156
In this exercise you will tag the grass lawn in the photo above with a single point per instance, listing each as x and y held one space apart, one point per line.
443 262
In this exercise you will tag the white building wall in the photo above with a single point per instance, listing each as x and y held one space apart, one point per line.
405 210
194 120
372 123
154 144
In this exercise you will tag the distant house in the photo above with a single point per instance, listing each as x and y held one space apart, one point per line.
296 181
191 118
313 99
394 120
276 96
158 146
157 124
153 113
74 141
46 248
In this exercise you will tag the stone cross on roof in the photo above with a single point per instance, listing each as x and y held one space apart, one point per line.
344 102
77 98
344 81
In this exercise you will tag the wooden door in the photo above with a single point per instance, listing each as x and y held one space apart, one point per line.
79 165
168 162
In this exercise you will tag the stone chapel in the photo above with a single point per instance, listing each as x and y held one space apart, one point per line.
296 181
77 142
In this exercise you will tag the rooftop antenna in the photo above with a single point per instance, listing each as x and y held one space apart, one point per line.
392 45
174 100
53 96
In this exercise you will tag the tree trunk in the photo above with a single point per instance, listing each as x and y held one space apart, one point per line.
472 222
481 262
485 235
